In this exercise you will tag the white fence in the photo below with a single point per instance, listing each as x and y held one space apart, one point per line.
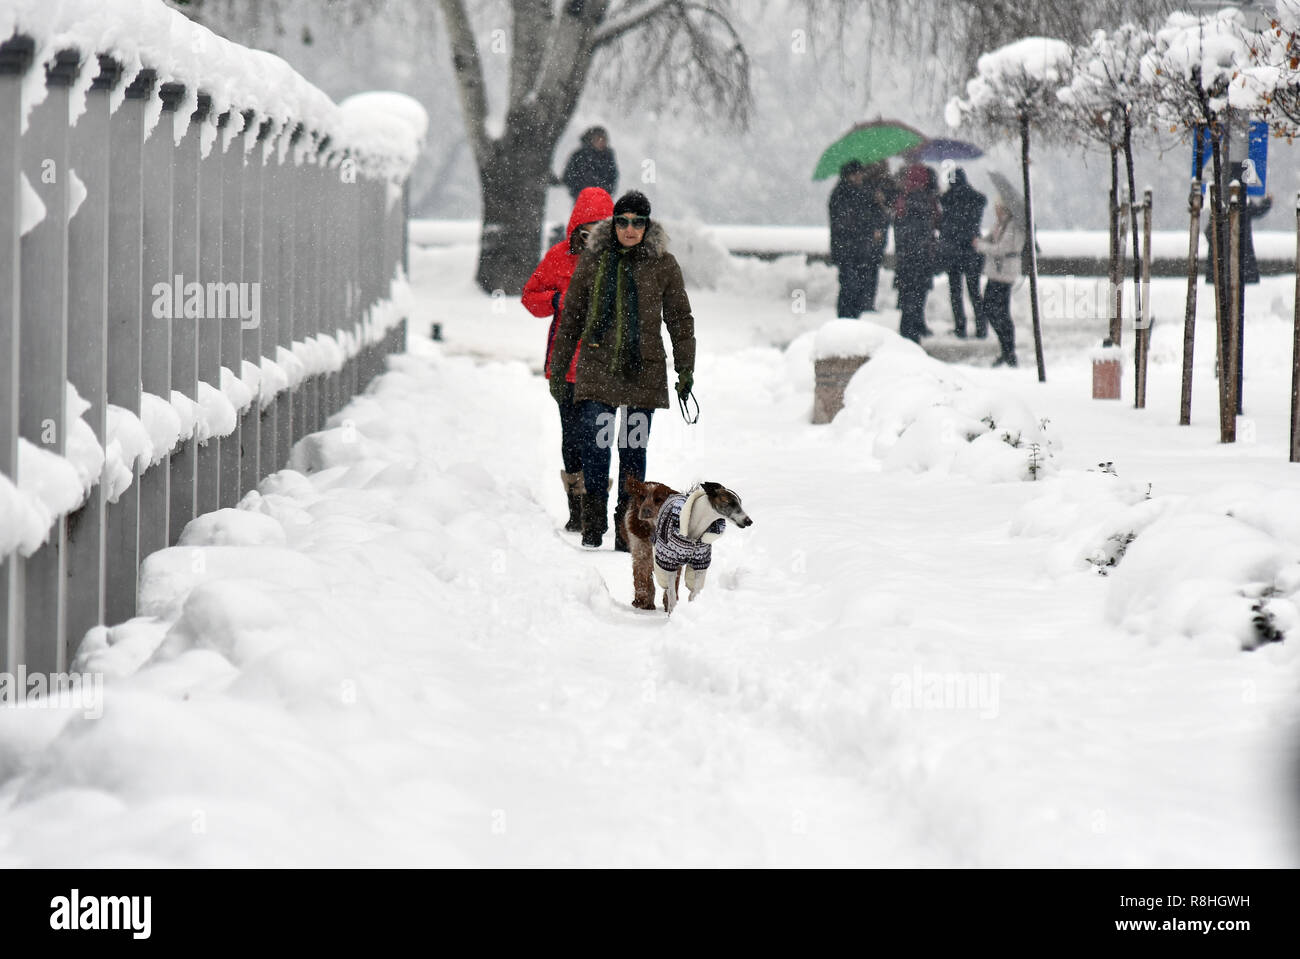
208 253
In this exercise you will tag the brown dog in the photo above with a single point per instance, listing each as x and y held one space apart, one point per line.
638 519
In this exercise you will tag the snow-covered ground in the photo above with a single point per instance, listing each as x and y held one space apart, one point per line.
389 655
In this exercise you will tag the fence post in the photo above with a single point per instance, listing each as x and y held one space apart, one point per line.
304 210
250 331
88 343
375 195
15 58
290 217
232 265
156 341
125 306
315 275
331 322
43 351
211 211
359 239
185 324
272 281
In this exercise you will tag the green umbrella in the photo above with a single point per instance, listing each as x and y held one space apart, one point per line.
867 143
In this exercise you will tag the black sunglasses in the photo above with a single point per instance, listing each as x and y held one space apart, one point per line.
631 222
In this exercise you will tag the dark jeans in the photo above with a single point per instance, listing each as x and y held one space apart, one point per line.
570 432
857 290
959 307
602 428
997 312
911 301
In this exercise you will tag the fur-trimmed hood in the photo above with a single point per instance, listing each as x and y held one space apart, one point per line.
653 245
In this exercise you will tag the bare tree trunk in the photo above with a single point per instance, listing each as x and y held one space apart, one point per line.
1229 376
1139 320
1033 249
1143 337
1115 274
1189 316
1295 347
1222 294
513 188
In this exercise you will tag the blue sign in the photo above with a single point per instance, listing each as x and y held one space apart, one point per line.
1254 171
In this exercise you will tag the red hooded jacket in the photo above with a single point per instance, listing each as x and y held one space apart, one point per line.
556 269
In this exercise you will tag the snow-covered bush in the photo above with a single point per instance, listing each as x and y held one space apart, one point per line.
924 415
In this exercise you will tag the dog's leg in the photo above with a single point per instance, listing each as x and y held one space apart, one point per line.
643 584
668 581
694 580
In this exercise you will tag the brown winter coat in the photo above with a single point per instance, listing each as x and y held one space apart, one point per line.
661 301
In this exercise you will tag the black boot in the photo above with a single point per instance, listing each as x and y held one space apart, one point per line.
573 489
595 517
620 504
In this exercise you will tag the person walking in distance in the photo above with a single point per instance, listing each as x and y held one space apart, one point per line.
856 227
592 164
1002 250
544 296
963 209
916 218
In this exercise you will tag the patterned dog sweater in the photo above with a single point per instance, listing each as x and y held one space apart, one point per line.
672 548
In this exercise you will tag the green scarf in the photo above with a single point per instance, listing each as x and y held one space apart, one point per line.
614 309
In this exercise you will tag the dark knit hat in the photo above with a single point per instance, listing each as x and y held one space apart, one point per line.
632 201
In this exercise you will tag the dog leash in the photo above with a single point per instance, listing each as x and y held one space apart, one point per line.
682 402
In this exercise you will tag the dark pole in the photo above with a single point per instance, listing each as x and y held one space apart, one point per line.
1189 317
1116 269
1144 297
1033 250
1228 377
1295 348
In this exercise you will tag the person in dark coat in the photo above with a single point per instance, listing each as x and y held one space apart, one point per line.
851 208
916 219
592 164
544 296
1249 264
881 185
626 290
962 212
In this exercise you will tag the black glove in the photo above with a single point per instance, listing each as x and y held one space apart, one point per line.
555 302
685 381
557 386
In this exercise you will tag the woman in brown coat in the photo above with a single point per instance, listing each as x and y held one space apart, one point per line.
627 287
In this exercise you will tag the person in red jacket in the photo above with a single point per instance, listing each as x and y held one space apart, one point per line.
544 296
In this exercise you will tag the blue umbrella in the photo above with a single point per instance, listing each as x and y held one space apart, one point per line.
941 148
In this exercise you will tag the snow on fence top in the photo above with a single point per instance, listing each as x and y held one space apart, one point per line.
146 34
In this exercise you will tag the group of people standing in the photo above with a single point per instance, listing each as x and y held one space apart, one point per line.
611 287
934 232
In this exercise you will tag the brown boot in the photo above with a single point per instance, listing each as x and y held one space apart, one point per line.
573 489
